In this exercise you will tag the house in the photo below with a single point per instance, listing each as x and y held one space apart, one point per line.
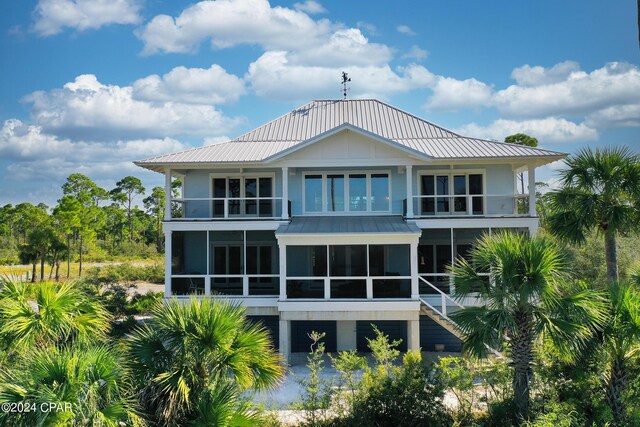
339 215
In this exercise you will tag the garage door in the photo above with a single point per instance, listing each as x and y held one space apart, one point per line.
300 330
271 323
431 334
395 329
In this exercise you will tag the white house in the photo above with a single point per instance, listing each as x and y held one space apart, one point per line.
339 215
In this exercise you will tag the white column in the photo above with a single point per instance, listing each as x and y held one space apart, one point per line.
285 339
409 173
413 253
285 193
167 194
532 190
413 334
167 264
283 271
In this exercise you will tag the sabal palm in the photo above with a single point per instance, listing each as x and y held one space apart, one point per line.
521 281
188 347
89 379
47 313
618 344
600 191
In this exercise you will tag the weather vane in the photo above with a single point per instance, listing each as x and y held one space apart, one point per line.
345 80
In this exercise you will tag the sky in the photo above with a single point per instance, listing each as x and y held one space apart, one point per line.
90 86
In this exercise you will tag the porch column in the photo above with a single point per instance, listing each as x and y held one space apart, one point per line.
413 334
415 288
532 190
285 193
167 264
283 271
409 173
167 194
285 339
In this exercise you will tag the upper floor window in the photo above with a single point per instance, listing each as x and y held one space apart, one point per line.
451 193
347 192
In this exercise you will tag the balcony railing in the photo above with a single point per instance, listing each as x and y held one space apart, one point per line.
216 208
482 205
245 285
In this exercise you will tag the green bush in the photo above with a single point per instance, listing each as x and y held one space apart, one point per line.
410 395
127 273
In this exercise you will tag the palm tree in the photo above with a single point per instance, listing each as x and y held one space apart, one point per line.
86 384
521 281
618 344
45 314
601 191
188 353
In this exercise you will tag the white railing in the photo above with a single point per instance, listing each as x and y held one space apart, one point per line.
215 208
471 205
444 299
324 283
204 285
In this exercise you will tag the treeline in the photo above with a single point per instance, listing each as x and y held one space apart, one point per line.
87 220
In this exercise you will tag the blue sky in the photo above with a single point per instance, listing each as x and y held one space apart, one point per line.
91 85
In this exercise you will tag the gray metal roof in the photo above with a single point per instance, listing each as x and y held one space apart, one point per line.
348 225
369 115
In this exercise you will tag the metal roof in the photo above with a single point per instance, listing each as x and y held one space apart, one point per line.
290 131
348 225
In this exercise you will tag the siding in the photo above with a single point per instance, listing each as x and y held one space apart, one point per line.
431 334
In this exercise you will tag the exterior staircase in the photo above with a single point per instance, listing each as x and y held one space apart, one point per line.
440 316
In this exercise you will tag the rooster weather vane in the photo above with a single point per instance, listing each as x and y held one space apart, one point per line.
345 80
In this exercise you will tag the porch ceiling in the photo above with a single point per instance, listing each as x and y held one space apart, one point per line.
348 225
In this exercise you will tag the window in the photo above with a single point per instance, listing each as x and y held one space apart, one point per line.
313 193
351 192
357 192
455 193
246 196
335 193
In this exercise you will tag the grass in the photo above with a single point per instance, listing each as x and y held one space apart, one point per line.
17 270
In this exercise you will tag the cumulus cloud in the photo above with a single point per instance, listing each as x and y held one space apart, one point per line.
52 16
417 53
453 94
274 76
569 91
550 129
228 23
87 109
33 157
405 29
311 7
191 85
615 116
344 47
529 76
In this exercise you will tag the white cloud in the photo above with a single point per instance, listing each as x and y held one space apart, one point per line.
615 116
274 76
417 53
550 129
452 94
51 16
86 109
33 157
228 23
579 93
537 76
191 85
21 141
309 6
405 29
344 47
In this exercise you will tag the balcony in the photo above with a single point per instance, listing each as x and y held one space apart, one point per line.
236 208
471 205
